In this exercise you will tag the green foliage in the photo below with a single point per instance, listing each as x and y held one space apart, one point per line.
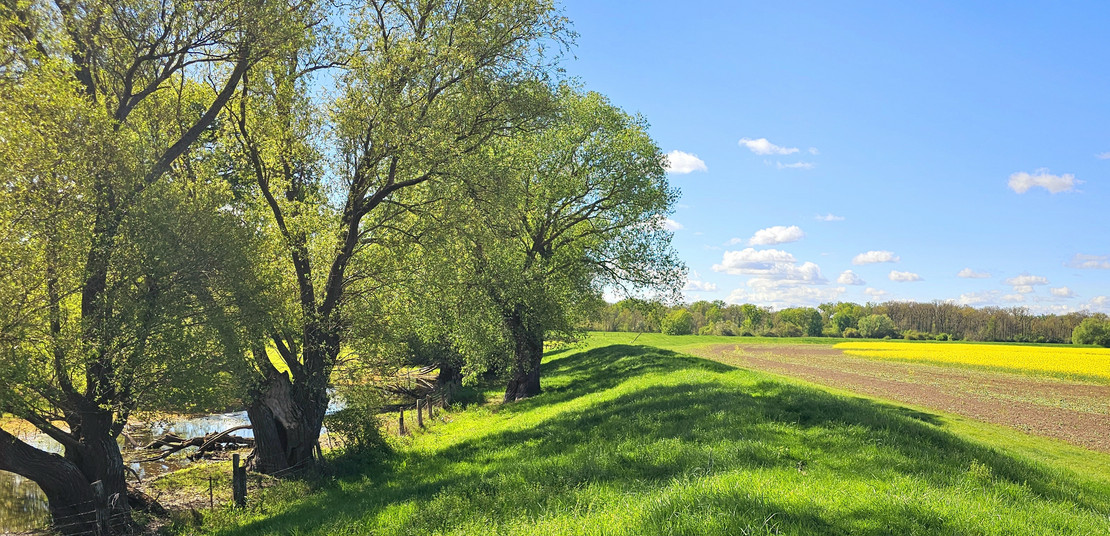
357 423
914 335
1094 330
851 333
679 322
876 327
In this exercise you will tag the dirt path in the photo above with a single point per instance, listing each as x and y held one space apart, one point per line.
1076 412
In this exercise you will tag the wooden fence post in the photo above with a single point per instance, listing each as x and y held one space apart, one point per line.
401 421
238 482
420 412
431 406
101 507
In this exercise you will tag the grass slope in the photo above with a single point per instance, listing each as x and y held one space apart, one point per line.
642 440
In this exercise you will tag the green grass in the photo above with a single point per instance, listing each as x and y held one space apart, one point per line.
643 440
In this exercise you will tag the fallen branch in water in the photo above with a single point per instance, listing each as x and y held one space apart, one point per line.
172 443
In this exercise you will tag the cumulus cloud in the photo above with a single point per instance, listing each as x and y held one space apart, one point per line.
699 286
1095 262
1026 280
681 162
778 234
770 267
1013 298
829 217
762 146
1062 292
979 298
968 273
904 277
1098 304
795 165
849 277
1023 289
782 297
872 257
875 294
671 225
1022 182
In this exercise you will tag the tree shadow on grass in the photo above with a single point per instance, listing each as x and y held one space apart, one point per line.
710 421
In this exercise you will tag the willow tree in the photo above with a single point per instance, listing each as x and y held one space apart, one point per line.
104 107
563 215
423 84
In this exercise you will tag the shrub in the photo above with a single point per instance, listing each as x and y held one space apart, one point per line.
1092 330
850 333
788 330
914 335
943 337
357 423
679 322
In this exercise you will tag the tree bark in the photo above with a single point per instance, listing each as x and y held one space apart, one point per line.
524 380
287 416
68 488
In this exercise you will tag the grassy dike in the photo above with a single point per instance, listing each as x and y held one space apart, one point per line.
638 439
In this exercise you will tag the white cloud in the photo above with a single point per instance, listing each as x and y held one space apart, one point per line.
1013 298
782 297
903 277
1026 280
1097 262
1062 292
829 217
875 293
795 165
751 261
699 286
762 146
681 162
1023 289
968 273
849 277
1098 304
872 257
1022 182
1103 156
770 267
778 234
671 225
979 298
814 151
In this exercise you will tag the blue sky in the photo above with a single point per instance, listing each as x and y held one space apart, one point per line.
942 151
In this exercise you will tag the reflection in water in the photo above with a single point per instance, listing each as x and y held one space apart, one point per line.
23 505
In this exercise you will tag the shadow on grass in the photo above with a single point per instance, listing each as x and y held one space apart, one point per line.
710 420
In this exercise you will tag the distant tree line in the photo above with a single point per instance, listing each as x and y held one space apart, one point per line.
900 320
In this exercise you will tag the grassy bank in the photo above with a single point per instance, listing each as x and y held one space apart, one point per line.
643 440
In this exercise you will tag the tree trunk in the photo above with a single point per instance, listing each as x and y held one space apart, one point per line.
287 417
76 508
449 374
524 380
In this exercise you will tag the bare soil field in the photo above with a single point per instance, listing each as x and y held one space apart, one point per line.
1072 411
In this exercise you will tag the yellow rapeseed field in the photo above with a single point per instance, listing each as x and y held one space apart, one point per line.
1066 360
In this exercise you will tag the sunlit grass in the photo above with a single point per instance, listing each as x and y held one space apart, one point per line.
640 440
